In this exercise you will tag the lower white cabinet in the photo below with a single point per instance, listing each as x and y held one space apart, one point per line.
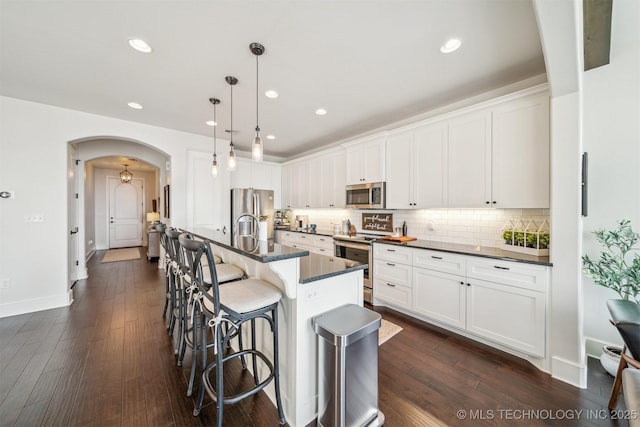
499 301
508 315
312 242
440 296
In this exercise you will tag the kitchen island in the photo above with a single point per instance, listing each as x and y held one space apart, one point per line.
311 284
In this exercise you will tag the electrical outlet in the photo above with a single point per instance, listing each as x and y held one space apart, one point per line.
5 283
34 218
311 295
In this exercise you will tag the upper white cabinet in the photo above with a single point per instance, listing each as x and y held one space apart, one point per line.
366 160
469 160
263 176
331 185
499 156
520 153
416 165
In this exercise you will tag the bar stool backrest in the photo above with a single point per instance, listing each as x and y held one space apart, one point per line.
195 250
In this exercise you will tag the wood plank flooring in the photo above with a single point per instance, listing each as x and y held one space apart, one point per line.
107 360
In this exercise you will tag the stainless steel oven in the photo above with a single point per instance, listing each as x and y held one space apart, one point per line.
357 248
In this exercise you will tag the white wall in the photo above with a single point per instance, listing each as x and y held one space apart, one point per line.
612 139
89 210
33 162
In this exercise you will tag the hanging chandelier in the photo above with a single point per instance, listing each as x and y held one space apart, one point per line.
231 164
214 165
126 176
258 148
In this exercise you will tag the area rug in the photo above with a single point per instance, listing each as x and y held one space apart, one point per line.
125 254
387 331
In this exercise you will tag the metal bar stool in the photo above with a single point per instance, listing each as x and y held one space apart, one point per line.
243 301
226 273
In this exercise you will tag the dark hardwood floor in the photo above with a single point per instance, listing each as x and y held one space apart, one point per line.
107 360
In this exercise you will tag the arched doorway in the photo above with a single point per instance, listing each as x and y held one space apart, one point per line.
98 161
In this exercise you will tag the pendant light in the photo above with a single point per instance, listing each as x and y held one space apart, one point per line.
214 165
126 176
257 150
231 164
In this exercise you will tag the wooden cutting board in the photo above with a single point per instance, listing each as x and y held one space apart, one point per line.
399 238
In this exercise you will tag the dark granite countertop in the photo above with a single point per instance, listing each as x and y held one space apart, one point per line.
315 233
481 251
317 267
267 251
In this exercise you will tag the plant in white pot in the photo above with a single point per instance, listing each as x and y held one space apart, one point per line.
618 269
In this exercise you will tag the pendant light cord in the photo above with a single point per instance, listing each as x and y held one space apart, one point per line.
257 90
215 124
231 137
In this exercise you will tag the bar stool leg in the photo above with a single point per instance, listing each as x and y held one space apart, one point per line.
276 365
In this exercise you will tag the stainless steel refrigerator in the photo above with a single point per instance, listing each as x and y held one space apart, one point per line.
248 207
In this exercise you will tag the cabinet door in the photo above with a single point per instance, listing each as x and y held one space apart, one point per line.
373 160
339 180
507 315
520 153
392 293
440 296
399 171
354 173
241 177
287 179
469 161
429 156
314 183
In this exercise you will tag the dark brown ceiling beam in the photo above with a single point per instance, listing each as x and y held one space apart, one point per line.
597 32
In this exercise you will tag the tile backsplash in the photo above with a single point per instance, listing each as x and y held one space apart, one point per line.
465 226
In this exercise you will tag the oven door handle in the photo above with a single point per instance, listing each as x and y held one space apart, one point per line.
353 246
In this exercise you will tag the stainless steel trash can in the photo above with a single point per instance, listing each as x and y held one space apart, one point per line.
348 367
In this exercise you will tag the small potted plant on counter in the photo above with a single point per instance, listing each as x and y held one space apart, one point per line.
617 269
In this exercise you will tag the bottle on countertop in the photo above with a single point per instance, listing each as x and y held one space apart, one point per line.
404 228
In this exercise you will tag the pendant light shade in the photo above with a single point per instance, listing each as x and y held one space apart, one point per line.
126 176
231 164
257 150
214 165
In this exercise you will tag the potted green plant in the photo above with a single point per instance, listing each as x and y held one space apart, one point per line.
618 269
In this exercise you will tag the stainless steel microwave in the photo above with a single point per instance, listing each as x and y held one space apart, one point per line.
366 196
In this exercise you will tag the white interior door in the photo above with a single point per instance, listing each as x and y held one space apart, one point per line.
125 213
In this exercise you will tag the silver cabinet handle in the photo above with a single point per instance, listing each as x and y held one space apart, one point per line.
392 285
391 264
500 268
436 257
391 250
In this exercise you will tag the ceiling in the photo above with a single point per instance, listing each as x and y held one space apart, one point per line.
368 63
119 162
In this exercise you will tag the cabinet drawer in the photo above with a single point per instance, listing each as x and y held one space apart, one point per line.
521 275
325 242
387 271
323 251
440 261
392 253
392 292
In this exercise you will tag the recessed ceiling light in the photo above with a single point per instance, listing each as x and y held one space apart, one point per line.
450 46
271 137
211 123
135 105
321 111
140 45
271 94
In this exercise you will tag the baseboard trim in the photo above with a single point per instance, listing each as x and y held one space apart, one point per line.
593 347
569 372
36 304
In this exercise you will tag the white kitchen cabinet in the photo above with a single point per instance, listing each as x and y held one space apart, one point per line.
499 156
499 301
392 275
507 315
469 161
440 296
287 180
520 153
263 175
332 180
366 161
416 167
